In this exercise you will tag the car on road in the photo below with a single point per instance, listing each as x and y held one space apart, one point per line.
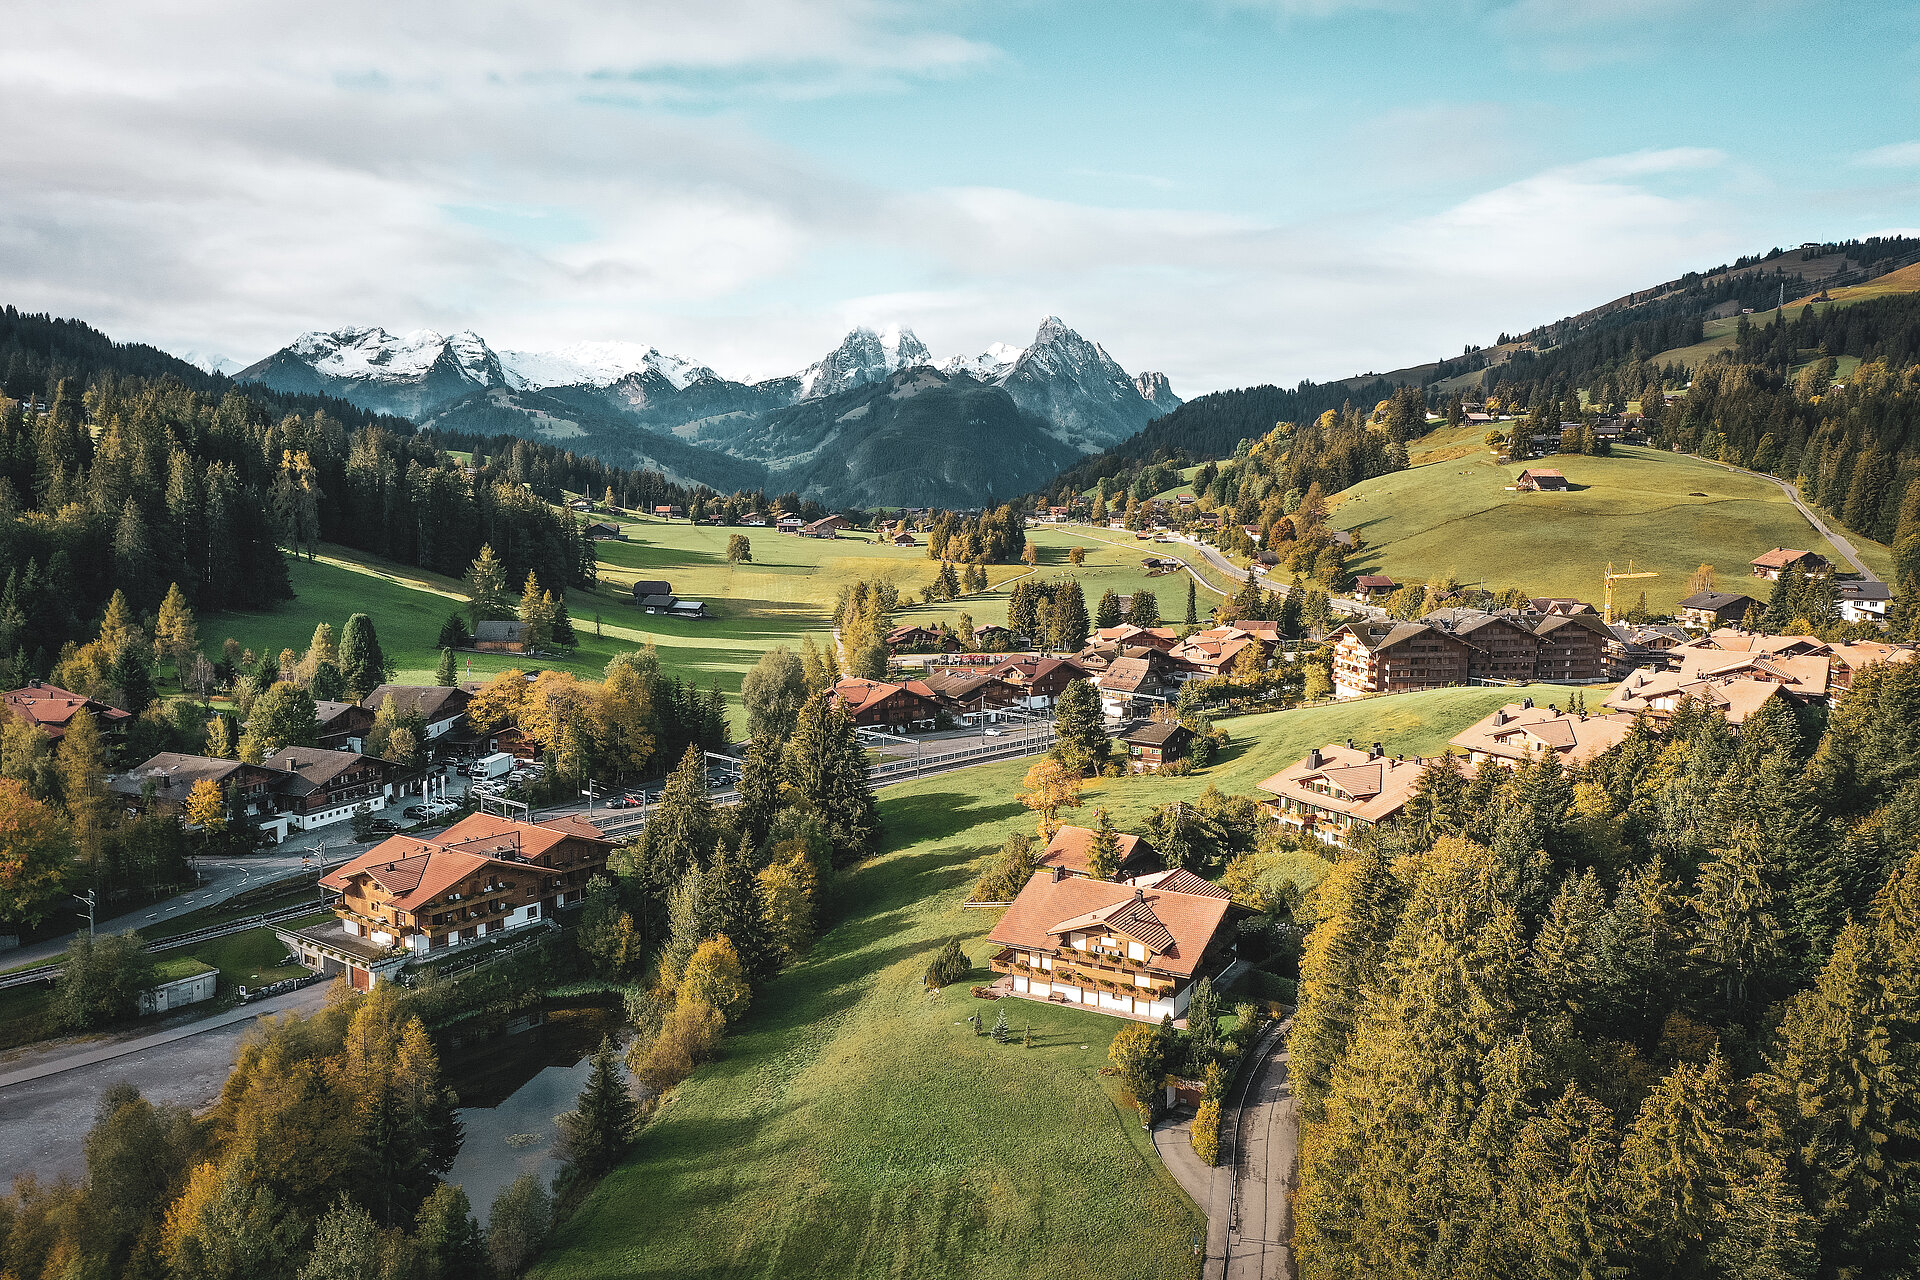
994 733
386 826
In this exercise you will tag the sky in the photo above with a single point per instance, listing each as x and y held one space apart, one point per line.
1231 192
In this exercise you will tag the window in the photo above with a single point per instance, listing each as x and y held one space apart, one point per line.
1135 951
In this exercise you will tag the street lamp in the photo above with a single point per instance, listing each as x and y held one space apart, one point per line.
90 902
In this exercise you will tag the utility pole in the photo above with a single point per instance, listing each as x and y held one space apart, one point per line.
90 902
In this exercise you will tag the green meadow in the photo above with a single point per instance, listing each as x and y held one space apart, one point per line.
857 1128
1666 512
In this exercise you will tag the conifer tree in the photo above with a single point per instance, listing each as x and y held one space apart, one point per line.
175 635
1080 735
1067 620
444 674
680 831
536 611
1103 852
363 664
826 764
486 587
1674 1163
1193 613
599 1130
1107 614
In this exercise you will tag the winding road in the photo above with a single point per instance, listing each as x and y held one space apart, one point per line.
1820 527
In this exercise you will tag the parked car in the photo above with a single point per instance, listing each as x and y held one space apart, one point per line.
415 811
386 826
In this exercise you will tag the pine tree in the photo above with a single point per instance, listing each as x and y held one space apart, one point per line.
1738 937
1068 618
81 763
1673 1165
826 765
536 612
175 633
680 830
1193 614
1080 735
734 909
1107 614
1103 852
599 1130
363 664
443 673
486 587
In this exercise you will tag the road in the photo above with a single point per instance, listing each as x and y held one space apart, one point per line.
1820 526
44 1120
1266 1154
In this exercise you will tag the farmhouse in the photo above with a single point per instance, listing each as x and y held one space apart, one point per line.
1130 949
790 524
916 639
1371 586
1336 791
1714 608
408 899
753 520
880 705
1146 675
343 725
1777 561
644 587
1069 847
1156 743
667 511
826 527
443 709
1539 480
500 637
1522 731
49 708
600 531
1864 601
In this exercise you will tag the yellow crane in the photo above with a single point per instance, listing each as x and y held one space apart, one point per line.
1612 577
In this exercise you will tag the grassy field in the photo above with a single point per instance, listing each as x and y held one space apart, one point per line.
855 1127
252 958
1666 512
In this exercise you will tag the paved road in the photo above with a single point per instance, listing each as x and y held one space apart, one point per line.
1266 1155
44 1120
1820 526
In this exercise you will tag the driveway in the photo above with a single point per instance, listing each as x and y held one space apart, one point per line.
44 1118
1266 1155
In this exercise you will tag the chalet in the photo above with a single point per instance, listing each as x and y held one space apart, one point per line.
580 504
1058 515
994 638
1377 657
1540 480
1501 646
1127 635
645 587
1522 731
323 787
1128 680
1847 659
1070 845
753 520
971 692
826 527
343 725
161 784
790 524
1337 791
1371 586
903 539
1631 647
1777 561
1864 601
500 637
1252 531
443 709
915 639
49 709
1212 652
1132 949
673 606
667 511
1569 648
601 531
878 704
1558 606
1039 680
408 900
1156 743
1714 608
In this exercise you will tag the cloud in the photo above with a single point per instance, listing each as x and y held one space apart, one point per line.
1895 155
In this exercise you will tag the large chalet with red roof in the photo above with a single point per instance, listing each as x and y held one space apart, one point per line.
50 709
408 899
879 704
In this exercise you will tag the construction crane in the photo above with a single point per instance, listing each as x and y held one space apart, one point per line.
1612 577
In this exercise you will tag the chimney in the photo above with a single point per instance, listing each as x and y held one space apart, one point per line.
1314 758
1500 716
1377 752
1350 744
1526 704
1139 894
1059 874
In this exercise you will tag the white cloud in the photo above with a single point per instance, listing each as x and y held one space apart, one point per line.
224 178
1895 155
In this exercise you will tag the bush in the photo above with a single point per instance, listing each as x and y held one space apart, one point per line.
102 980
689 1035
949 966
1206 1132
1011 871
517 1227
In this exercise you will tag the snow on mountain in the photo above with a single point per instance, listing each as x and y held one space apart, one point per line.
373 354
211 362
863 356
597 364
986 366
1082 391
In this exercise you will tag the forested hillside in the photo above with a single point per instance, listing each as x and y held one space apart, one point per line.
124 469
1655 1017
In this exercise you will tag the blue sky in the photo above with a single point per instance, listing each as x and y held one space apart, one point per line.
1229 192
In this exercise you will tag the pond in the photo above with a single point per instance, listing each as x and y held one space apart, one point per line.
511 1087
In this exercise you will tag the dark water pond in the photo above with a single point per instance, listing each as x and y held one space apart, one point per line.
511 1087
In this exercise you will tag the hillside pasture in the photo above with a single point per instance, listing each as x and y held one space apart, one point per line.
855 1127
1666 512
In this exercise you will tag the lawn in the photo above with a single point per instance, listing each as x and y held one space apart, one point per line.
250 959
1666 512
856 1128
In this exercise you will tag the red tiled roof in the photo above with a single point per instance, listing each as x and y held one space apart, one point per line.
1177 926
1069 847
48 708
1781 557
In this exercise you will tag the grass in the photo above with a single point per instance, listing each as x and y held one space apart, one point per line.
1718 335
1666 512
855 1126
250 959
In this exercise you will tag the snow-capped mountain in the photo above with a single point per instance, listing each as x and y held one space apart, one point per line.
211 362
619 399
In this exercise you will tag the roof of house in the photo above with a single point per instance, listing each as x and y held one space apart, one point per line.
1854 654
1375 636
1029 669
314 766
1126 675
1373 581
173 774
1367 787
1715 601
1070 845
1559 605
1864 589
652 587
1781 557
1177 927
430 702
327 712
48 707
1156 733
485 833
1179 880
1736 696
858 695
412 873
959 686
500 632
1517 730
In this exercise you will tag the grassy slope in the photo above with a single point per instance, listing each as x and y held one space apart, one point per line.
1718 335
853 1129
1457 516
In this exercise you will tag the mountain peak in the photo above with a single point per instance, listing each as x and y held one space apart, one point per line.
864 355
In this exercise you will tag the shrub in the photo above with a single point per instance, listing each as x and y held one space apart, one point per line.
1011 870
1206 1131
715 977
102 980
689 1035
949 966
